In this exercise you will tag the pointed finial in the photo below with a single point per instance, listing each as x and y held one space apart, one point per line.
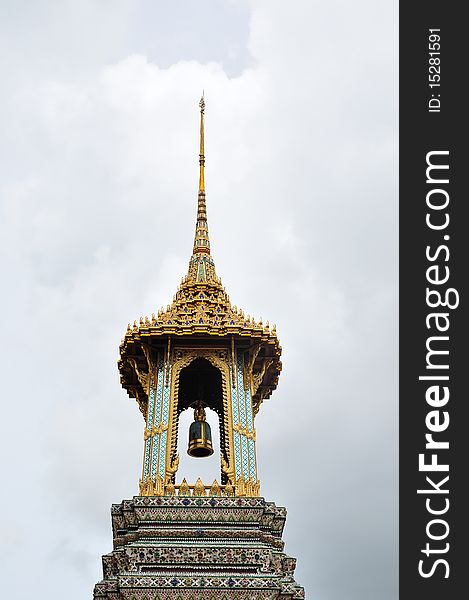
202 151
201 241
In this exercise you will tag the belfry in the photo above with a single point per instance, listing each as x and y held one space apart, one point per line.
199 540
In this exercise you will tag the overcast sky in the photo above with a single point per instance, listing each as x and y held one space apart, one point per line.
98 185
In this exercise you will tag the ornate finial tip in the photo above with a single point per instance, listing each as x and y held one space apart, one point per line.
202 104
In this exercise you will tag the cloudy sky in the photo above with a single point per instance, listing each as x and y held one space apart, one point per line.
98 180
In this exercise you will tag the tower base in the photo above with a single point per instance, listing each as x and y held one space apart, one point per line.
194 548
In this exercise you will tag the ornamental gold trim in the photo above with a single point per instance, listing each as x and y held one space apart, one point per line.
250 434
155 430
242 488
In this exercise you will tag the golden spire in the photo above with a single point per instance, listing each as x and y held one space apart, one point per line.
201 241
201 153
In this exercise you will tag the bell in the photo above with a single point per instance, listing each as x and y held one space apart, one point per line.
200 436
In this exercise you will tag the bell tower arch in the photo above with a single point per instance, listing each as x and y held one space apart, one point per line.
199 389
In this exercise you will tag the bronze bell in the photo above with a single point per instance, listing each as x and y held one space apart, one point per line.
200 436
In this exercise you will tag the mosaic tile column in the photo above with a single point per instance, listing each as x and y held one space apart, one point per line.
156 432
243 422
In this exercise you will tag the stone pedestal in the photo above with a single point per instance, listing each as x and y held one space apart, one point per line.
194 548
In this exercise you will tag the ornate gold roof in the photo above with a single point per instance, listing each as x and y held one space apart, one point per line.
201 309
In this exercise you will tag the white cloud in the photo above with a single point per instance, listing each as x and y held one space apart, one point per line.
97 215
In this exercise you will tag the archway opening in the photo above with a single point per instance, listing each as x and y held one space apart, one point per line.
200 381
